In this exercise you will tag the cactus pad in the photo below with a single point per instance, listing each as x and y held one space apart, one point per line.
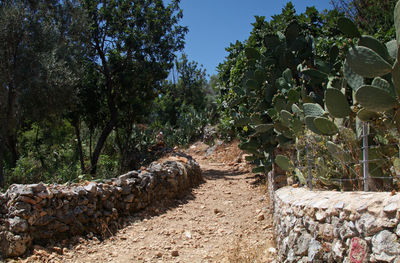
293 95
260 75
313 110
286 117
367 63
251 84
366 115
271 41
297 111
348 27
325 126
396 77
353 79
309 120
383 84
392 48
283 162
397 21
264 127
292 31
336 103
375 45
375 99
252 53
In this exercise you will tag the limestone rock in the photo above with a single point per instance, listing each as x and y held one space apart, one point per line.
314 251
303 244
358 250
18 225
368 225
338 250
385 246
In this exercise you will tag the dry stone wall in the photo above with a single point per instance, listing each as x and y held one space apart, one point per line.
39 212
328 226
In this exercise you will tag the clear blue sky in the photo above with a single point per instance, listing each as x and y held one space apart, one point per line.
214 24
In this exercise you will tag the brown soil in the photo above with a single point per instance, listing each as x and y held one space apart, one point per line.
226 219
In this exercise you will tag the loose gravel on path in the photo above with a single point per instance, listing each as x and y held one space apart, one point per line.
226 219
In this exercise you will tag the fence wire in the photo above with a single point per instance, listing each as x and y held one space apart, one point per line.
356 165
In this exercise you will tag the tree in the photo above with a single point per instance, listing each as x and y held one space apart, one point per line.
188 88
130 46
375 17
35 81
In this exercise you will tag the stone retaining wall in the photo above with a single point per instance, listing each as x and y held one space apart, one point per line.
328 226
39 213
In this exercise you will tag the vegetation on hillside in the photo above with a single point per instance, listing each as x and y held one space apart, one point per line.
87 88
83 89
309 80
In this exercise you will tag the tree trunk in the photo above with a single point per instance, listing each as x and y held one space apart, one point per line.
2 148
12 146
75 123
100 143
111 107
42 162
8 128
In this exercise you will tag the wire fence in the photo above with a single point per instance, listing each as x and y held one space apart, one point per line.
347 161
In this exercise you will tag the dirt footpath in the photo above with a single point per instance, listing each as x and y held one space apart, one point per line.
226 219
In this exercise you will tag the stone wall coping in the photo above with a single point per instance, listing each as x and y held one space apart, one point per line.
375 202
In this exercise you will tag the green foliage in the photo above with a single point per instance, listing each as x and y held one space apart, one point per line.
283 162
348 27
375 45
96 94
184 108
325 126
353 79
336 103
375 99
397 21
313 110
367 63
366 115
372 17
305 66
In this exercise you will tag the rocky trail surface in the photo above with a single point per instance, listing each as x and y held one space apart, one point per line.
225 219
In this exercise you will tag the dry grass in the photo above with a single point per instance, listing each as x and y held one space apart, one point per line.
243 252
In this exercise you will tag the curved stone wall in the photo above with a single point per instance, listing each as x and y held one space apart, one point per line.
328 226
39 212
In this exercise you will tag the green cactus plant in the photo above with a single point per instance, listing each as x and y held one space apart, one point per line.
325 126
375 99
336 103
309 121
286 118
313 110
397 21
264 127
348 28
283 162
353 79
392 48
367 63
396 77
375 45
252 53
383 84
366 115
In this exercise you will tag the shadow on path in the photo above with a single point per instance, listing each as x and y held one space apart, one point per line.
212 174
